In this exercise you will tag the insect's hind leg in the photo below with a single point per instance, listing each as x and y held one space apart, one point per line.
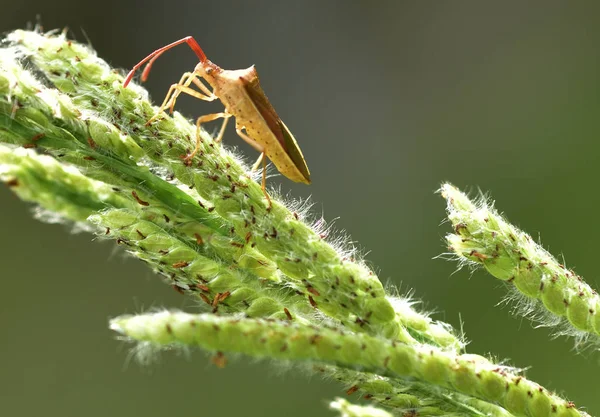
261 159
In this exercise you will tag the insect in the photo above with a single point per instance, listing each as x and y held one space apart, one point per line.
256 121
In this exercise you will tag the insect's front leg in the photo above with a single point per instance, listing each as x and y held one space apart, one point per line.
169 95
261 159
193 77
204 119
183 87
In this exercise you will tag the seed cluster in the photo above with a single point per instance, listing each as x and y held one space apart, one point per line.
470 375
483 237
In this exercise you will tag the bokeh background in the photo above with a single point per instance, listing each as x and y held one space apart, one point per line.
387 99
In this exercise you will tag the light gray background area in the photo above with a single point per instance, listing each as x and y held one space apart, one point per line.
387 99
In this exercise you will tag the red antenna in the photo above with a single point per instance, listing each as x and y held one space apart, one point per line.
154 56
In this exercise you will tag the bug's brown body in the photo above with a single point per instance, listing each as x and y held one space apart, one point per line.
241 94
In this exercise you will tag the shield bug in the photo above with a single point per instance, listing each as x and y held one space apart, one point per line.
256 121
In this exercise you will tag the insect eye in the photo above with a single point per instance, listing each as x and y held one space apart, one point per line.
209 71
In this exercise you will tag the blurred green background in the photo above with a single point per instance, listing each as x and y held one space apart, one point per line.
387 99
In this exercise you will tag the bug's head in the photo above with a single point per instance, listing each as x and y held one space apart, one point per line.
209 71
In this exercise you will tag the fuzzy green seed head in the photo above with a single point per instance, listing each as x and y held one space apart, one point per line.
482 237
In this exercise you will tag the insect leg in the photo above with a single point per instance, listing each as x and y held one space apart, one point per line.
264 181
258 161
178 88
168 97
262 158
204 119
222 131
198 83
192 78
175 92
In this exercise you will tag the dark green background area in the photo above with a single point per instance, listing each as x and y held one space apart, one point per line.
387 99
